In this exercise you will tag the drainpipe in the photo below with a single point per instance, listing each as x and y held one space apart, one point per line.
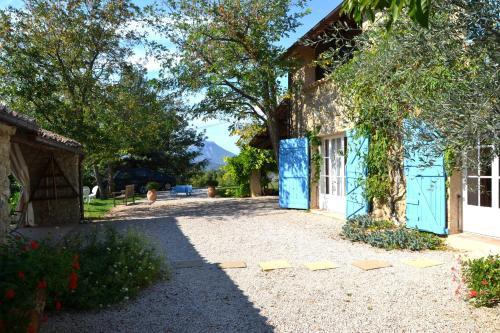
460 213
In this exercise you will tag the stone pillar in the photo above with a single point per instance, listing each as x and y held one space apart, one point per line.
455 202
5 133
255 188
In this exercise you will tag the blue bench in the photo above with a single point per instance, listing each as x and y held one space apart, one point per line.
186 189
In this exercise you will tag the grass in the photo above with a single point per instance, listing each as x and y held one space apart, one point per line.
97 208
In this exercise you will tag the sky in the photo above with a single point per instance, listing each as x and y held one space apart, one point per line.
216 130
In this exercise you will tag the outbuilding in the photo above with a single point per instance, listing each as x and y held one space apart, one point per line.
48 167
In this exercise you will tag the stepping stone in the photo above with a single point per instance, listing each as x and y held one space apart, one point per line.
371 264
187 263
272 265
232 264
320 265
421 262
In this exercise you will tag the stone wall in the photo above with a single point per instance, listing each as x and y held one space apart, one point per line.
5 134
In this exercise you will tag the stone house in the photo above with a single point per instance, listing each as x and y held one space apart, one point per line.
47 165
431 200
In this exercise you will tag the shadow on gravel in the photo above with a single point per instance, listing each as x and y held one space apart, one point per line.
198 299
215 208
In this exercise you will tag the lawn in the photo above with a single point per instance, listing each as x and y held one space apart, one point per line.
97 208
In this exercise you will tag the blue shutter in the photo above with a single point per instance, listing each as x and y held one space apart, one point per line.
294 173
425 190
355 169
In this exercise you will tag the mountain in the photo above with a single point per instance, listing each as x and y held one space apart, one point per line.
214 154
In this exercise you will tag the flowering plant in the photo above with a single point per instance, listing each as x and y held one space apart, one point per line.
482 277
33 275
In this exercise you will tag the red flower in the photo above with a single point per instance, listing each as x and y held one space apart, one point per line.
10 293
73 279
21 275
58 306
484 282
42 284
473 293
34 245
31 329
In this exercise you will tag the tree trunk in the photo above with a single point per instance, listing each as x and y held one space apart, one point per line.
274 136
98 179
111 184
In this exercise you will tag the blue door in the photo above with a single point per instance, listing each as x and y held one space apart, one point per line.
425 191
294 173
356 171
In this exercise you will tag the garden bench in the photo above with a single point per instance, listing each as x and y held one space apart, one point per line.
187 189
125 195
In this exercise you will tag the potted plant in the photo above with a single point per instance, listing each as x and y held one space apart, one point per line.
212 184
152 187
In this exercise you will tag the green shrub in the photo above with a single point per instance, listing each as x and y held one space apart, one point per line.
153 186
482 277
385 234
31 269
114 267
212 183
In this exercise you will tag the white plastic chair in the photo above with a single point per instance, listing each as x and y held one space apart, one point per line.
94 193
86 194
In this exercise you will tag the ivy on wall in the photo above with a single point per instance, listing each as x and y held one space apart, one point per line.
316 158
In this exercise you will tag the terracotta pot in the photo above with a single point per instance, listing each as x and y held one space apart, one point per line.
211 191
152 196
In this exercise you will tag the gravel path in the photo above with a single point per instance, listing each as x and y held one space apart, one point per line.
346 299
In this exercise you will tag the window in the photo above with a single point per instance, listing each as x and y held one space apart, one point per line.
479 178
332 180
326 167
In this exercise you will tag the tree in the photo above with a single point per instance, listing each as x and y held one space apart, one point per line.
445 77
227 50
240 167
65 62
148 128
56 59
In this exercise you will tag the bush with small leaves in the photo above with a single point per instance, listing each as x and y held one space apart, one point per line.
385 234
114 267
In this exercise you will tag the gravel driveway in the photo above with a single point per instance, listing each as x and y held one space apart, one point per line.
346 299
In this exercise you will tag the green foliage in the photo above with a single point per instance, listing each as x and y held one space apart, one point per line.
67 64
97 208
202 179
31 269
418 10
385 234
316 158
240 167
482 277
229 50
15 194
153 186
445 77
114 267
212 183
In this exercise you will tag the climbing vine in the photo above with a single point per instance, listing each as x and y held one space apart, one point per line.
445 77
316 158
